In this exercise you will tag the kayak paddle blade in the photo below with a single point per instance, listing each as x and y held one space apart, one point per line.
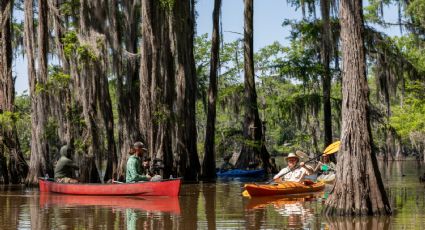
332 148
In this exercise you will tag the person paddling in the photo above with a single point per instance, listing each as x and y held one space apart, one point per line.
292 172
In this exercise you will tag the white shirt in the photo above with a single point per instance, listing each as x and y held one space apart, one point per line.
296 175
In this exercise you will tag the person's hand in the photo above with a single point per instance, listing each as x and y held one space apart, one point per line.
148 176
302 164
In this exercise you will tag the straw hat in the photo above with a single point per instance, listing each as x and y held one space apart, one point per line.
292 155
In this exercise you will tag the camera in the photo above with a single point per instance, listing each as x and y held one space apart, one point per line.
157 165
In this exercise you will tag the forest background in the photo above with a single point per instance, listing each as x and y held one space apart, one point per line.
288 77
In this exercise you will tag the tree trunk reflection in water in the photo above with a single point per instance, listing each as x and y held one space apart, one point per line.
358 223
209 191
189 208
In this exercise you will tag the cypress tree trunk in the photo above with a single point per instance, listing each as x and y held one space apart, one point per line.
253 149
182 31
359 189
156 84
89 90
5 77
127 83
208 165
326 50
61 100
40 162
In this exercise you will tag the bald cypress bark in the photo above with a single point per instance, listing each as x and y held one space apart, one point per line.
208 165
156 84
325 52
168 85
40 163
253 148
359 189
127 79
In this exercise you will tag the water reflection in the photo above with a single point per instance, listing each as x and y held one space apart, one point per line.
209 206
297 211
358 223
148 203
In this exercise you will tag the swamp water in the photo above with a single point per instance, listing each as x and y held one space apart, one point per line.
210 206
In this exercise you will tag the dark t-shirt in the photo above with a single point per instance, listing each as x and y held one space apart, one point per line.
64 167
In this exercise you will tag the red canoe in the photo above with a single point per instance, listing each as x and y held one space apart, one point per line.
148 203
158 188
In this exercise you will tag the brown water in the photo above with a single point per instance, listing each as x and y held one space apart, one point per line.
209 206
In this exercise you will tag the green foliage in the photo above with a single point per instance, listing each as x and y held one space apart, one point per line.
23 122
167 4
70 43
416 9
58 80
70 7
86 53
40 88
8 120
161 114
374 12
409 117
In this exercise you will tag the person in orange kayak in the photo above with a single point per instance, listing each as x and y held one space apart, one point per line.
292 172
134 170
325 166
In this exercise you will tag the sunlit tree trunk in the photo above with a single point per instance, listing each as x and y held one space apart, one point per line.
208 165
40 162
253 149
359 189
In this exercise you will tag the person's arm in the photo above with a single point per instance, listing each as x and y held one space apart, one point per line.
281 173
71 164
318 166
308 168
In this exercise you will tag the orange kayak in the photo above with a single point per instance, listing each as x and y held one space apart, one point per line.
284 188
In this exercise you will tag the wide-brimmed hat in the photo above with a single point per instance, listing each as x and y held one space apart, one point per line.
292 155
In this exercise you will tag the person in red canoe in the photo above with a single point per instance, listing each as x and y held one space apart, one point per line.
65 166
293 173
134 164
